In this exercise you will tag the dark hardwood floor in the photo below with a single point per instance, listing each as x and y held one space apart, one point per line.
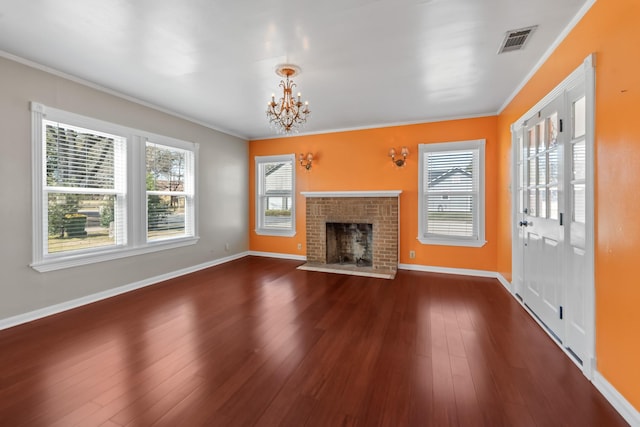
257 342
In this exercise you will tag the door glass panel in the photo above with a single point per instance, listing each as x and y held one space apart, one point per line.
542 169
579 203
541 136
553 202
532 201
532 171
521 175
553 165
579 117
579 160
553 129
543 202
531 142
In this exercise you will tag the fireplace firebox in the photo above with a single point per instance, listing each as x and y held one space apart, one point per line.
349 243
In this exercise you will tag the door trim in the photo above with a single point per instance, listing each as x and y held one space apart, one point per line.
585 71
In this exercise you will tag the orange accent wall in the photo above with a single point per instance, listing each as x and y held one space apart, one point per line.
358 160
611 29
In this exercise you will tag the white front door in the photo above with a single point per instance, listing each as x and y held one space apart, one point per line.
542 231
553 213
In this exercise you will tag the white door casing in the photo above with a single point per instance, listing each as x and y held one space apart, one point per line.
553 266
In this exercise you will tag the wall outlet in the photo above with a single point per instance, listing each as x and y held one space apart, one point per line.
412 254
226 246
299 246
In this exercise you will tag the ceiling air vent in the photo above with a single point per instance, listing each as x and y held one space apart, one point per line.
516 39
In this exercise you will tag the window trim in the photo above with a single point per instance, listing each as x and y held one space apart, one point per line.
476 144
136 243
188 191
259 218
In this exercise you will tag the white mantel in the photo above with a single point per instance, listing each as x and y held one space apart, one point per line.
383 193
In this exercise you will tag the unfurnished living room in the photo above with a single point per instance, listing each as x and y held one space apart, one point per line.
319 213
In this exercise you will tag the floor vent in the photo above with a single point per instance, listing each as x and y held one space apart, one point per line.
516 39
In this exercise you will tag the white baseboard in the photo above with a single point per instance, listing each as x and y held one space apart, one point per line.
460 271
278 255
507 284
447 270
78 302
622 405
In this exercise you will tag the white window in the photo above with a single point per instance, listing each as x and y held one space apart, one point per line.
275 195
89 202
451 191
169 183
84 188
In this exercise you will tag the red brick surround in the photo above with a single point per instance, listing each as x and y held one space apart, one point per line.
381 212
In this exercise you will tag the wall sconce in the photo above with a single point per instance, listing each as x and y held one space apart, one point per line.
404 152
305 161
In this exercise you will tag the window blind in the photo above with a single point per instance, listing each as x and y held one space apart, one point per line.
450 185
85 185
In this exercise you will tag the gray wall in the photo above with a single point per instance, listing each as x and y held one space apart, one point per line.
222 179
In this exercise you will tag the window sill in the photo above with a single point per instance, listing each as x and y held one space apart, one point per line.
75 260
278 233
452 242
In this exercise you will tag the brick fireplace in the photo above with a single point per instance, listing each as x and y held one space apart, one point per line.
380 209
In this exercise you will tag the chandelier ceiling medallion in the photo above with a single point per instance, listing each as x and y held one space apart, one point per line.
288 113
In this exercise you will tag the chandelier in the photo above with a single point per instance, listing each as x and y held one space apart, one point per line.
288 113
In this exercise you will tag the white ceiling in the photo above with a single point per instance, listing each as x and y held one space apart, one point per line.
365 63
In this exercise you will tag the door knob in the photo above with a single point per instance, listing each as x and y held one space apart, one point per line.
524 223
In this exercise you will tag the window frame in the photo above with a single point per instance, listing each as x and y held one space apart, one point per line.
478 214
260 227
134 241
188 191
